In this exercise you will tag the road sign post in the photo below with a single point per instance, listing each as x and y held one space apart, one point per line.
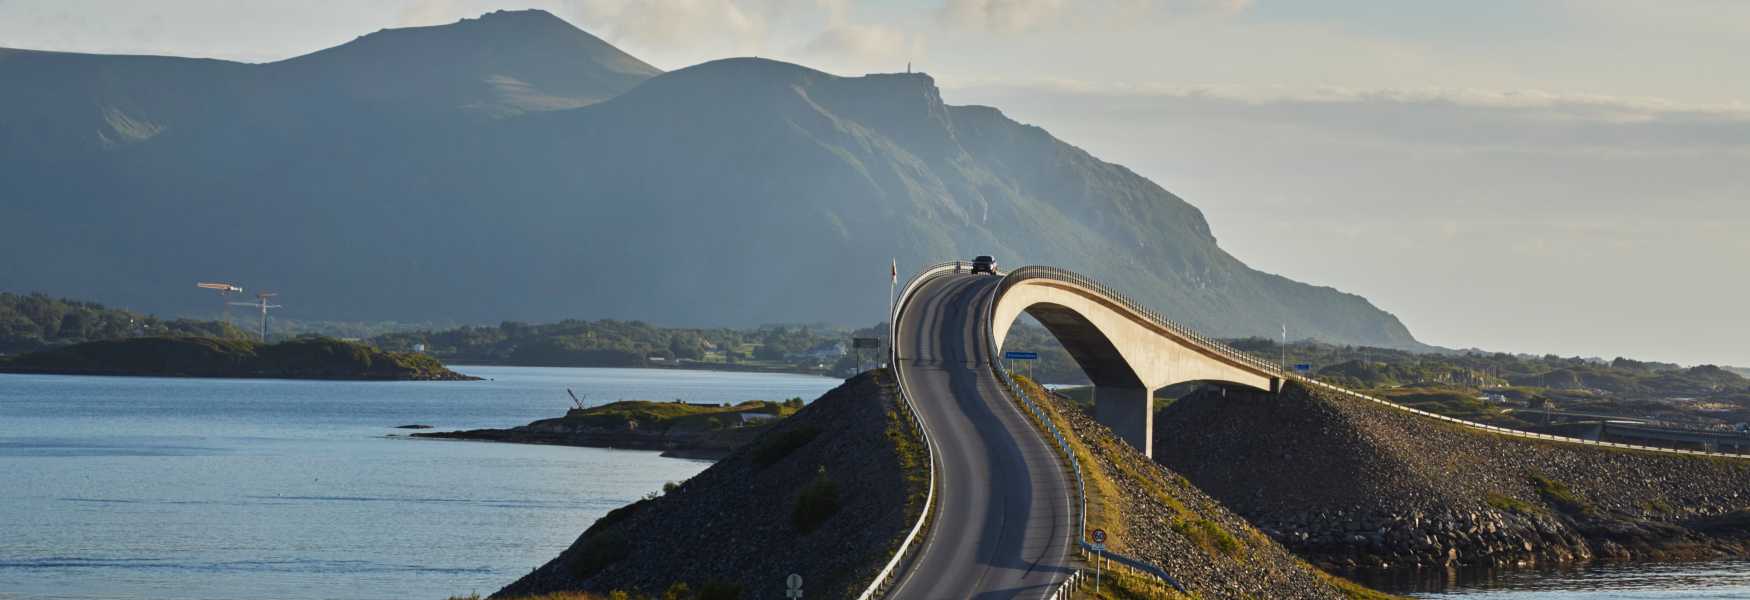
1017 355
793 586
1099 536
860 343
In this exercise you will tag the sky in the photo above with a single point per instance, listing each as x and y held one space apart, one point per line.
1541 176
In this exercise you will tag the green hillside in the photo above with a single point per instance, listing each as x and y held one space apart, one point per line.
310 358
30 322
473 173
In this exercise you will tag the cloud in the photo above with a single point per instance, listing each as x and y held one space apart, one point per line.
1517 120
430 12
865 47
1015 16
669 27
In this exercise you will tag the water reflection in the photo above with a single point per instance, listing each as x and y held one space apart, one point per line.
1718 579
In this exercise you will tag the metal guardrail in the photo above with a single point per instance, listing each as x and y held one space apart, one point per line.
1016 392
1512 432
1022 274
1241 358
909 546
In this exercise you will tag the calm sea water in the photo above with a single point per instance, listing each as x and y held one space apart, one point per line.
1671 581
115 487
120 487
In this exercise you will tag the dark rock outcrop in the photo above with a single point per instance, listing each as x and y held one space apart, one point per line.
679 444
738 524
1350 483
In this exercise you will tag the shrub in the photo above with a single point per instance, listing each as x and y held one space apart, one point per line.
816 503
598 552
773 448
1209 536
720 591
1562 496
1509 504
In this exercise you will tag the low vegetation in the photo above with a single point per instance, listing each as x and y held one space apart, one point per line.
1104 499
1119 584
611 343
1210 537
1562 496
1509 504
675 416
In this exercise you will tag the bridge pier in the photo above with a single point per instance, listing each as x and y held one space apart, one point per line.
1130 414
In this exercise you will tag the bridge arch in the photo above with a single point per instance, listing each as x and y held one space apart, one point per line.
1128 352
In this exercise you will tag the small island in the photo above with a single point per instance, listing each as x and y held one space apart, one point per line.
678 429
304 358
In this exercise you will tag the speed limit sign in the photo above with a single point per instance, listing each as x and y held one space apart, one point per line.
1099 536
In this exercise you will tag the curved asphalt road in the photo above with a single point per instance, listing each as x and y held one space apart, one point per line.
1002 526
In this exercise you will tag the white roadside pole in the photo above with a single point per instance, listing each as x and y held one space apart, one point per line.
892 297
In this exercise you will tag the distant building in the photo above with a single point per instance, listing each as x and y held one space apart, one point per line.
826 351
750 418
419 347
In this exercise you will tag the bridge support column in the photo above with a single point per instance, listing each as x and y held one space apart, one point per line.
1130 413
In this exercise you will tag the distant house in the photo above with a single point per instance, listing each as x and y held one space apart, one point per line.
744 419
826 351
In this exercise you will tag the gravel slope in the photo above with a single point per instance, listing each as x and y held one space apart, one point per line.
734 525
1167 521
1350 483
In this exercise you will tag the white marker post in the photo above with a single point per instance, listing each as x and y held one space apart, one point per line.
793 586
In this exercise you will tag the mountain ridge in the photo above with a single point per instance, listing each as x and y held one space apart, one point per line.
754 184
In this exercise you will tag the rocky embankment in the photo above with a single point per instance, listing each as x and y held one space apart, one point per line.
1349 483
1156 515
827 493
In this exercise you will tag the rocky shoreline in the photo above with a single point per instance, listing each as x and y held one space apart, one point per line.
826 493
707 445
1352 485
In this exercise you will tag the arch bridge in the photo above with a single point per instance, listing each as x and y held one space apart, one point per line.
1127 351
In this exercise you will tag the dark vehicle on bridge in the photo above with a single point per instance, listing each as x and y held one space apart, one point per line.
984 264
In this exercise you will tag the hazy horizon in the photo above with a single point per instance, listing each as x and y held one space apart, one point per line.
1538 177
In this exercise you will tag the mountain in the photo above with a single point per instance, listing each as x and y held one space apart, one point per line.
733 192
501 64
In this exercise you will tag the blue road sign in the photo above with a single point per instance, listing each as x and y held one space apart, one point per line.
1021 355
1303 368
